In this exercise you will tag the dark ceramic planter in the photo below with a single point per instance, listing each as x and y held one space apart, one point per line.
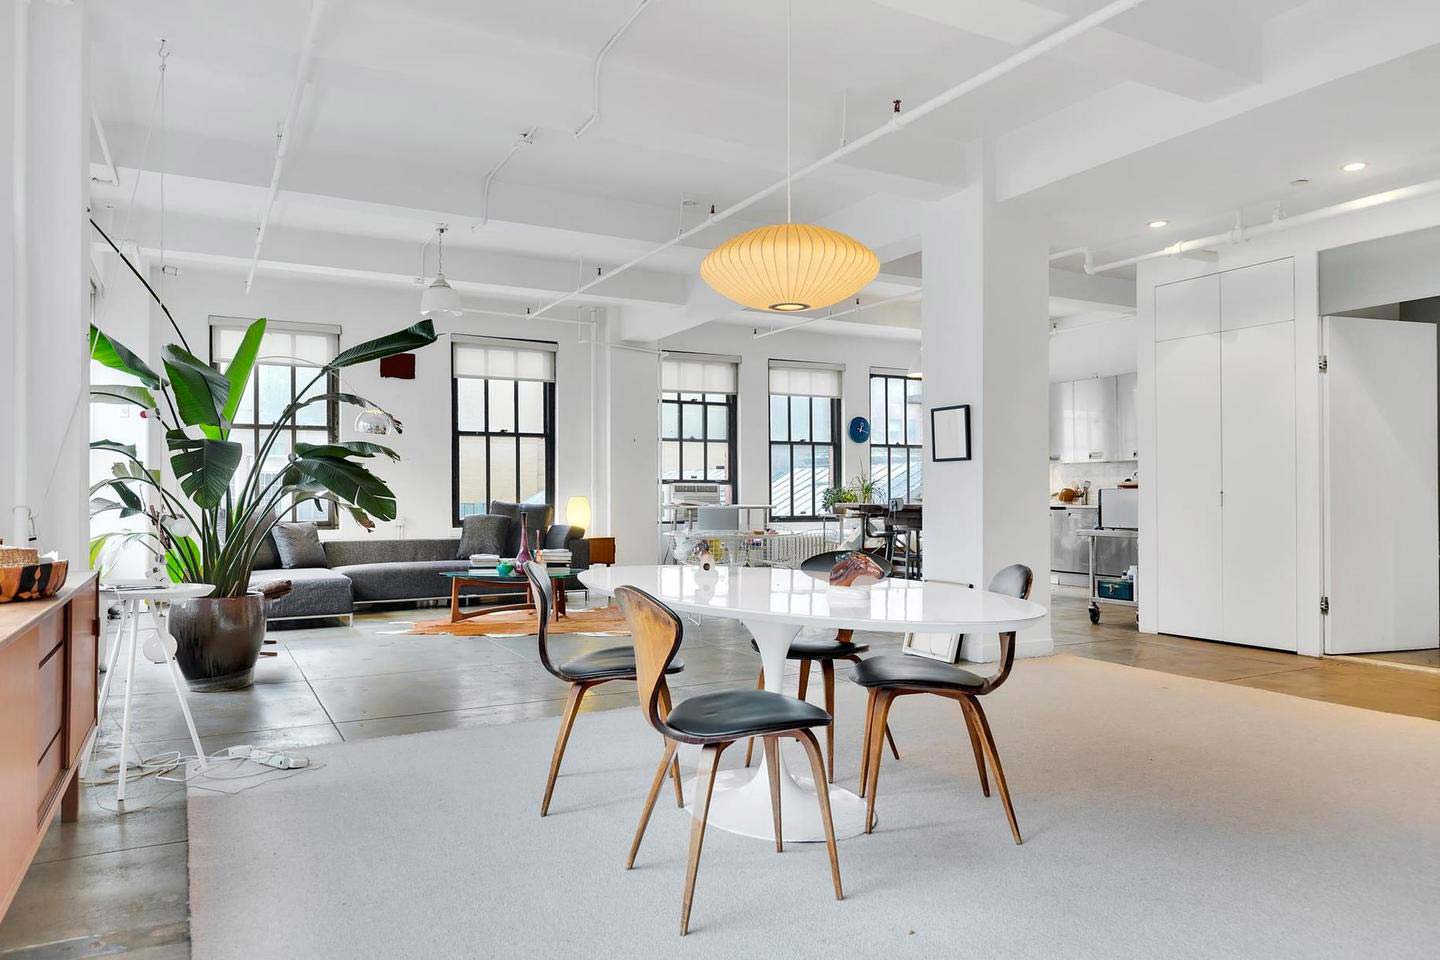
218 640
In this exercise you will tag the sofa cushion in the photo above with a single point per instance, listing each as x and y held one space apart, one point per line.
342 553
317 592
298 545
484 533
415 580
562 534
536 518
266 557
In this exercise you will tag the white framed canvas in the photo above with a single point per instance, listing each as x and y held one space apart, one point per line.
950 433
934 646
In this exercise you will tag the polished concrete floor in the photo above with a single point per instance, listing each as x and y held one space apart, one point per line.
116 885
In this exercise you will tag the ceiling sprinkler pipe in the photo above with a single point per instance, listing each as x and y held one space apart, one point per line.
897 122
600 62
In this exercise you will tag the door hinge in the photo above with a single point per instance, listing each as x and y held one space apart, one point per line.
1324 605
1324 363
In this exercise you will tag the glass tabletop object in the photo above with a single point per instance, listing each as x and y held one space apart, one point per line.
490 573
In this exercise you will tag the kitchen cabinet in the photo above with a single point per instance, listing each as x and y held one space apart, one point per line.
1095 428
1062 421
1127 442
1070 552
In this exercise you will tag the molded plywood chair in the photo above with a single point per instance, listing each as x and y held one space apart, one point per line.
714 721
824 647
582 673
897 675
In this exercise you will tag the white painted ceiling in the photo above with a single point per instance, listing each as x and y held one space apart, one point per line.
1182 109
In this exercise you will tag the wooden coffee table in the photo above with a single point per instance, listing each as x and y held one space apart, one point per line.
489 576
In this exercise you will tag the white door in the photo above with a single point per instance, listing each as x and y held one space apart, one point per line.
1187 487
1257 390
1382 495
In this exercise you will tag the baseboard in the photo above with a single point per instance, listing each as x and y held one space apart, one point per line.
986 649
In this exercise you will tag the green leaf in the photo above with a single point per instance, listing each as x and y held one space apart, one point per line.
351 482
130 502
200 391
203 467
182 549
122 393
116 356
99 505
402 341
347 448
238 373
127 449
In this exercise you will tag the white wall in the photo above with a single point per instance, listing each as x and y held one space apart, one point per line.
1304 244
1097 350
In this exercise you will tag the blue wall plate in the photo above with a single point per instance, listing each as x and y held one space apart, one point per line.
859 429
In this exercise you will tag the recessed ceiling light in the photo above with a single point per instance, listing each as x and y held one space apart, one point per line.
1354 166
1157 224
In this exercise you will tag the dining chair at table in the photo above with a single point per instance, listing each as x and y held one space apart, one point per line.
824 647
582 673
714 721
898 675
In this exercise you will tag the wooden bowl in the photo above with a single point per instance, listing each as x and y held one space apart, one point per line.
33 581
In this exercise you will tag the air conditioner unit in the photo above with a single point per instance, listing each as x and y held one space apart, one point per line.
706 494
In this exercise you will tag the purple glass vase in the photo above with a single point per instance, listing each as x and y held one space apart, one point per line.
523 557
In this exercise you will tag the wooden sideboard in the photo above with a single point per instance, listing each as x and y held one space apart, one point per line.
48 659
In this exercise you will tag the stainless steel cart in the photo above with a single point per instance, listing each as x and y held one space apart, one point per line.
1095 598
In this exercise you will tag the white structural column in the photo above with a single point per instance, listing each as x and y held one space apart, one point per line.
986 343
47 437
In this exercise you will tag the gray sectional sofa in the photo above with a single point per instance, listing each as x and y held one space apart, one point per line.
378 571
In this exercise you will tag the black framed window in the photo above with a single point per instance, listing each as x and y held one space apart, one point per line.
503 442
288 361
804 453
896 437
698 438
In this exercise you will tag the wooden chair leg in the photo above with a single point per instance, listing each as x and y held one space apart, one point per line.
567 722
975 746
705 784
750 744
865 740
889 737
772 764
817 768
827 675
666 706
988 741
804 679
665 762
877 750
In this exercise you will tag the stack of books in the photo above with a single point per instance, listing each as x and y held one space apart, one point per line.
556 557
484 559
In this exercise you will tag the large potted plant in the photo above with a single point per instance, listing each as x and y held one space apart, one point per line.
210 530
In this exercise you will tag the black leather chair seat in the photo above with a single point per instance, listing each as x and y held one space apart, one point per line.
898 670
818 648
611 663
732 714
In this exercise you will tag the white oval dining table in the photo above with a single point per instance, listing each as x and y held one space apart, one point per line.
776 604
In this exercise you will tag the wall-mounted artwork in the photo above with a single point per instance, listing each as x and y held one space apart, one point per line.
950 432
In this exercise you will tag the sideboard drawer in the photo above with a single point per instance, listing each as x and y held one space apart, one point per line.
51 632
49 701
48 773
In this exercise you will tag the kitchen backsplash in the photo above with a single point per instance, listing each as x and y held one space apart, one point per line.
1106 473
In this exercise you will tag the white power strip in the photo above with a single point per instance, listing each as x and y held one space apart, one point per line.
279 761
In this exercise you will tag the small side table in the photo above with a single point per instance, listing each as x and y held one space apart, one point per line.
159 599
602 549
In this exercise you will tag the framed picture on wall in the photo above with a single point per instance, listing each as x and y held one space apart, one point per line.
950 433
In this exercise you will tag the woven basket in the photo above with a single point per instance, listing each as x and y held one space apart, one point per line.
18 556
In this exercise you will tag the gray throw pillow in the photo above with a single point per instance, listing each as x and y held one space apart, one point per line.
536 518
299 545
483 533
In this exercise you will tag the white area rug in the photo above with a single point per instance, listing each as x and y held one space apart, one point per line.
1163 818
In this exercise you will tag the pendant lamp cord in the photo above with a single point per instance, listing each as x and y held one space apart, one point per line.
164 54
788 7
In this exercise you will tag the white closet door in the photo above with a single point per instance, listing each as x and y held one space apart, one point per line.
1381 487
1258 473
1257 294
1187 487
1187 308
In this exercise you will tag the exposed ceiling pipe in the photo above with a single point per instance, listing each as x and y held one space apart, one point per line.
526 139
600 61
1240 233
113 177
897 122
282 139
912 295
1066 254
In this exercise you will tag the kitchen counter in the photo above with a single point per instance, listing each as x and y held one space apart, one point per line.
1057 505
